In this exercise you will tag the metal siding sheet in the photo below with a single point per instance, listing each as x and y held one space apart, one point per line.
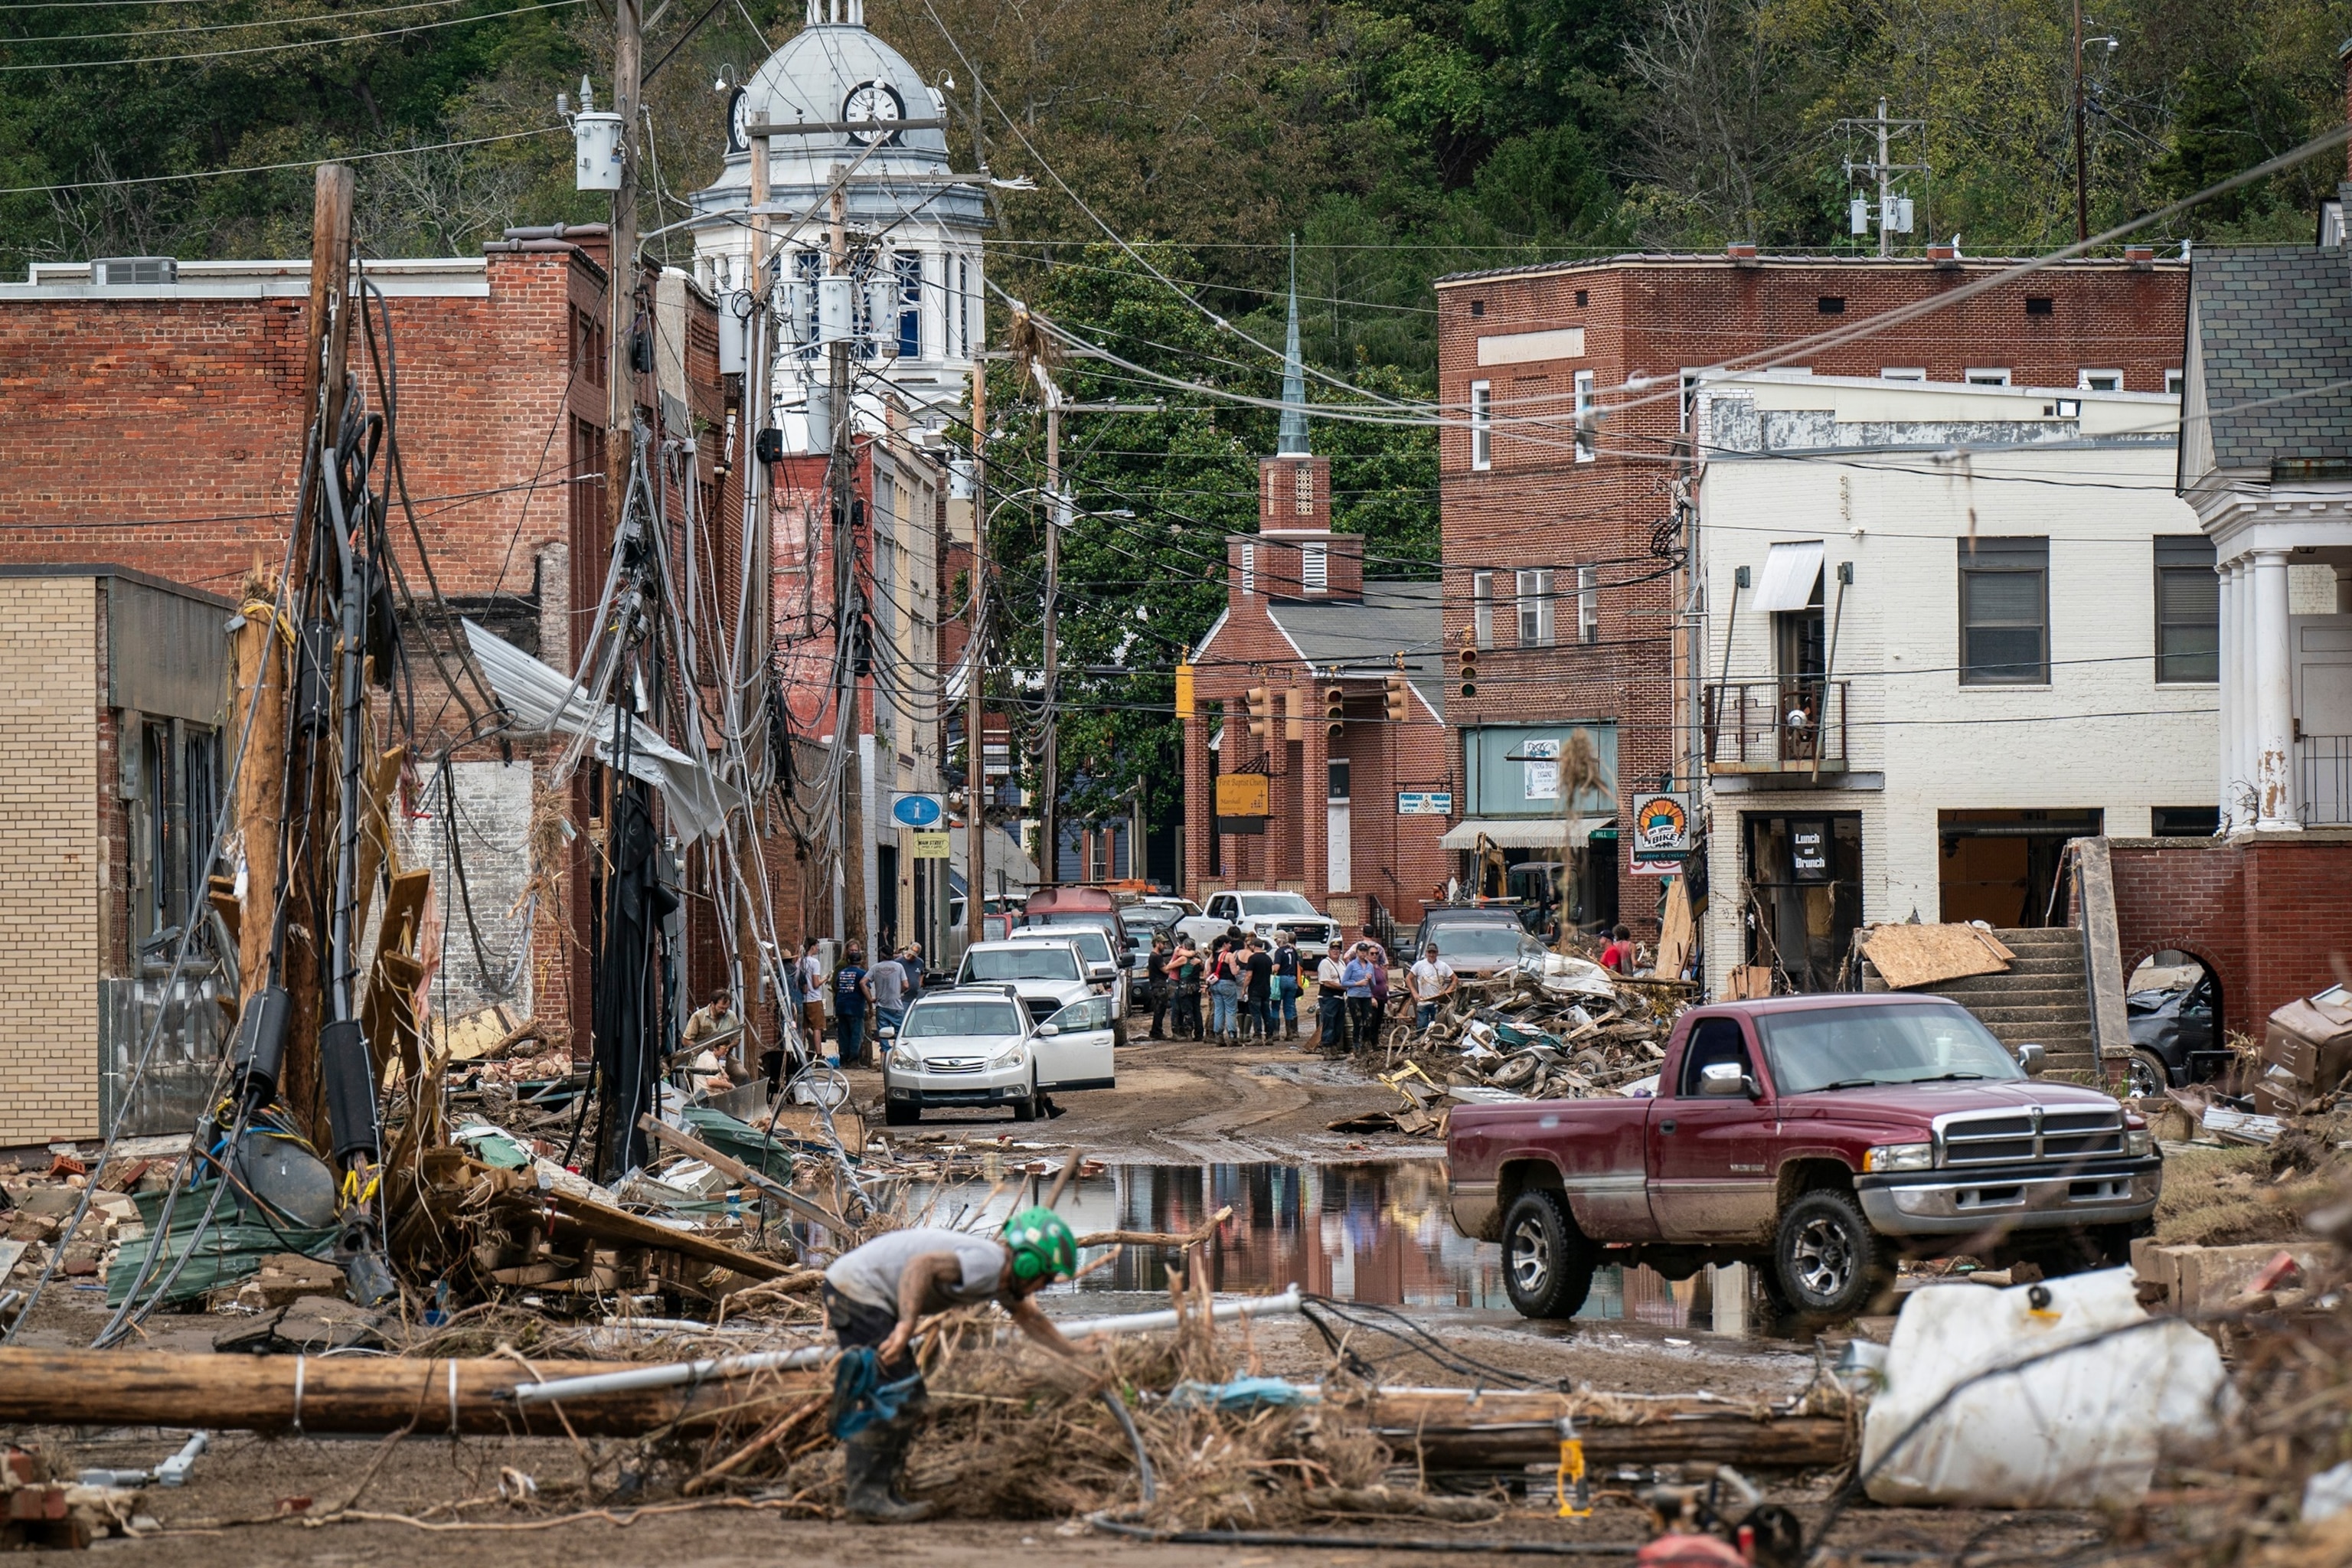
167 653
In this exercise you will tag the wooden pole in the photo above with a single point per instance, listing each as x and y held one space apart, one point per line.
356 1393
261 661
975 747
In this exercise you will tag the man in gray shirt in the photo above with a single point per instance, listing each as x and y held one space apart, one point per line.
874 1297
888 979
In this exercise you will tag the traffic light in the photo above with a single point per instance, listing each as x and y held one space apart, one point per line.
1261 712
1468 663
1335 711
1398 709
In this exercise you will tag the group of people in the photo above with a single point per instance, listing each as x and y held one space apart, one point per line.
863 999
1240 988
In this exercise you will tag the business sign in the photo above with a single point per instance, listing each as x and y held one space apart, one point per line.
1425 803
1809 849
1657 867
932 847
1661 827
1540 762
908 809
1241 794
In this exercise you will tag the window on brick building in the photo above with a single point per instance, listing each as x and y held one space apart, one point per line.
1482 430
1901 372
2172 383
1588 604
1535 608
590 357
2188 611
1985 376
587 482
1692 380
1482 608
2004 612
2099 380
1588 416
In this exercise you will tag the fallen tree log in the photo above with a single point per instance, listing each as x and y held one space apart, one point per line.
1450 1428
355 1394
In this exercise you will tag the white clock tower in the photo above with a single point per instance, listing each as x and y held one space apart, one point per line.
915 231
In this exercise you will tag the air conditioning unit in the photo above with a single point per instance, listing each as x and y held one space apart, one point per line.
127 271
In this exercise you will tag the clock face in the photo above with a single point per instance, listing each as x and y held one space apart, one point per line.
873 100
739 123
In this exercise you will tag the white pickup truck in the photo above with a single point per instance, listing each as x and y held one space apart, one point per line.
1265 914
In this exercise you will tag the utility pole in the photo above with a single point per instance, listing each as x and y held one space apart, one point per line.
1886 185
620 381
2081 159
1049 860
975 757
1893 212
850 620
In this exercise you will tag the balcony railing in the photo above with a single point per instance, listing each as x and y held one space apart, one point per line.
1794 724
2324 789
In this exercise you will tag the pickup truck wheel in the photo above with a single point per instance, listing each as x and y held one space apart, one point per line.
1830 1263
1547 1263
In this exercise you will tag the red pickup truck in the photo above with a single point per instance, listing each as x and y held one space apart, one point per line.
1825 1137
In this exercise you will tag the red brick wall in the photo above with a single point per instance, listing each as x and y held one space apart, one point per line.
1537 506
2269 914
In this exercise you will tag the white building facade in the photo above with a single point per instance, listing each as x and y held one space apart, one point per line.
915 225
1948 628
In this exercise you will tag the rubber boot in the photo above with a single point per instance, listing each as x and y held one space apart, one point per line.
871 1464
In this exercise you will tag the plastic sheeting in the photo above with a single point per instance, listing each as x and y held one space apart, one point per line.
544 700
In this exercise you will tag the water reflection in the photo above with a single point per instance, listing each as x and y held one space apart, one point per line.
1372 1232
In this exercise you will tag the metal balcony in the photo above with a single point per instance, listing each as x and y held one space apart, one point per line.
1793 724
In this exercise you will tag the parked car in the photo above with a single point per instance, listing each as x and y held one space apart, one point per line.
2173 1038
1266 915
977 1045
1048 973
1102 941
1821 1137
1474 939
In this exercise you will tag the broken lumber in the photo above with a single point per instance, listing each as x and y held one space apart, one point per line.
351 1394
689 1144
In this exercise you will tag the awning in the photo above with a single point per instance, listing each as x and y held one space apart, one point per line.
542 698
1524 832
1789 573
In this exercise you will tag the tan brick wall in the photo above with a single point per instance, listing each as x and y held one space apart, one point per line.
49 858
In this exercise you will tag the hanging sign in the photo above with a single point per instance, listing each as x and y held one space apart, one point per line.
1425 803
932 847
1660 828
1241 794
910 809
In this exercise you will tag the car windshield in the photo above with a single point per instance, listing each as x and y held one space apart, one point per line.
1851 1048
1039 962
1279 904
1092 942
1477 938
1152 917
948 1017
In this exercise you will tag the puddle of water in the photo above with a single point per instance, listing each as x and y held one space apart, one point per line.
1368 1232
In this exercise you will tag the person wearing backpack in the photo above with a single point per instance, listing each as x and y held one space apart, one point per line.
852 994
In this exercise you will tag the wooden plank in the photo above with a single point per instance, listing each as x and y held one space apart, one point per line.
1676 933
376 850
1909 956
607 1224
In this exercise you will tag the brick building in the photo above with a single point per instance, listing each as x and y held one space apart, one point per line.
151 417
1301 624
1573 382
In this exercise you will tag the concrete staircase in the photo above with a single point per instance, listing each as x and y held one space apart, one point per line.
2044 997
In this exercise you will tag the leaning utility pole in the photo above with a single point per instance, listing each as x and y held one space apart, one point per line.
620 382
1049 857
975 750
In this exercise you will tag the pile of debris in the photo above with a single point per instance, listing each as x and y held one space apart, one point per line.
1557 1028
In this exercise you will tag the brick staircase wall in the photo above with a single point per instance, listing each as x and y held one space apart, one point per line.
2044 996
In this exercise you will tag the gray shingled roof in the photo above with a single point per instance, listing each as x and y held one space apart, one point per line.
1393 618
2275 318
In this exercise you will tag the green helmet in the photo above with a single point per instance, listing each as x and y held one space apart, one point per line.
1042 1245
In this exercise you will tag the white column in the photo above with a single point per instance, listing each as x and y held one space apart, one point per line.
2273 698
2241 775
2226 729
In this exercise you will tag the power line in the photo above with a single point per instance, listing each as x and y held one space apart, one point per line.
274 168
229 26
297 44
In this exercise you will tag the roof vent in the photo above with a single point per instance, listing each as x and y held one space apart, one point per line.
124 271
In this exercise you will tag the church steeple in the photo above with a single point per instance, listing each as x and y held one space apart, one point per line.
1293 441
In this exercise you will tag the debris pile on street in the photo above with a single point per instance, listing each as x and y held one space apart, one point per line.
1558 1028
